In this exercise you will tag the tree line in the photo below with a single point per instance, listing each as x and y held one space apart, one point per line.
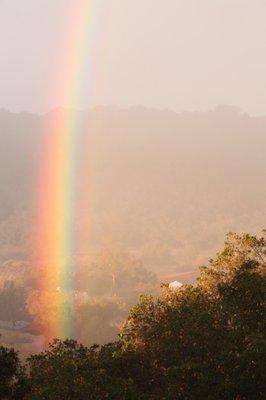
202 341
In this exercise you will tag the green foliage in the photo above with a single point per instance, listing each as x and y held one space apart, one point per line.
238 250
207 341
68 370
105 289
12 377
203 341
98 319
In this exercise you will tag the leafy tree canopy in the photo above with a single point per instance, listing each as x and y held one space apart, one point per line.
202 341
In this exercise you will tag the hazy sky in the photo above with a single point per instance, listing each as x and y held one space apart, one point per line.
178 54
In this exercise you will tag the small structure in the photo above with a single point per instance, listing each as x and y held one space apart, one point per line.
175 285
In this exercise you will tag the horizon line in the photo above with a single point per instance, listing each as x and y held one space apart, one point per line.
221 107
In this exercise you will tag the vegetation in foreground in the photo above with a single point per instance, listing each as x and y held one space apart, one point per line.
203 341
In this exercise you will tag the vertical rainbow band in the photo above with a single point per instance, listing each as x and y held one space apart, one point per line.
57 203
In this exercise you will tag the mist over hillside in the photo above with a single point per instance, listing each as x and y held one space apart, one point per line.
163 186
132 199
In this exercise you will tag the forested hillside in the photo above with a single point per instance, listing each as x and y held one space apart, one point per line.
156 192
200 341
161 185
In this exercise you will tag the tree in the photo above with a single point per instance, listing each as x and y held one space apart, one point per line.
202 341
13 384
98 319
68 370
237 250
48 309
210 335
116 273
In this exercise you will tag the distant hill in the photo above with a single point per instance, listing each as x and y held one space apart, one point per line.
164 186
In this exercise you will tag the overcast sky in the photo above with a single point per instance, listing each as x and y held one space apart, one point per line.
178 54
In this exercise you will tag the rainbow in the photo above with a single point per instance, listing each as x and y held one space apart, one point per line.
57 187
